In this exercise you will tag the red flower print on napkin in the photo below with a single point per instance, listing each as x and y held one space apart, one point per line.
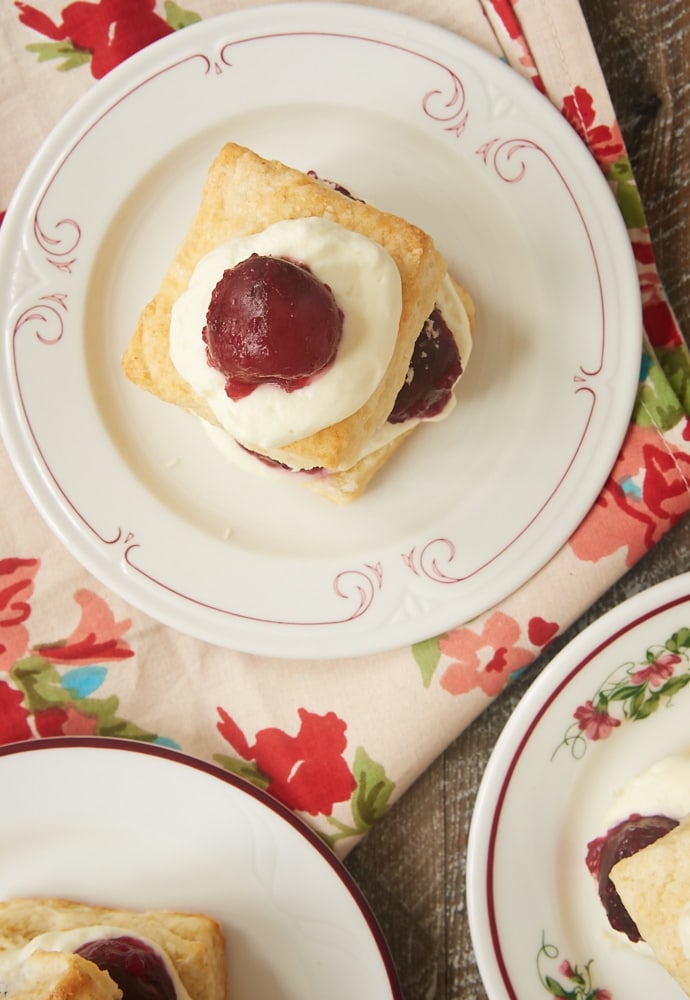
16 590
49 688
97 637
65 721
505 11
484 659
605 141
108 31
14 717
659 322
306 772
642 500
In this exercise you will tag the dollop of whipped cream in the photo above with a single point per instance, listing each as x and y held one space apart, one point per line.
663 789
12 959
366 284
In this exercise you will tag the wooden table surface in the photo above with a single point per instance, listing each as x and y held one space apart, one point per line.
412 867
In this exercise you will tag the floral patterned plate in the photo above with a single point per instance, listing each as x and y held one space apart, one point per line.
120 823
428 126
613 702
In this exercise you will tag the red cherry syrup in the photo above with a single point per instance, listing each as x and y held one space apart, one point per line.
622 841
434 369
133 965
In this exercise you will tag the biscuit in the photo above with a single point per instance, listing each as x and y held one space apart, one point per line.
55 975
654 886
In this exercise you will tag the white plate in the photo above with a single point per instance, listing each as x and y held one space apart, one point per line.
547 788
417 121
117 823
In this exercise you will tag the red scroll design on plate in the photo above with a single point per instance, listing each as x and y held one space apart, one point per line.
507 158
359 587
362 584
59 248
429 560
47 314
503 156
449 107
47 318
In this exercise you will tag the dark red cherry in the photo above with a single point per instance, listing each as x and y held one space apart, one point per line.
622 841
434 369
133 965
270 320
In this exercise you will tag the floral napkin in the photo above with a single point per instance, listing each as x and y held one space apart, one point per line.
336 742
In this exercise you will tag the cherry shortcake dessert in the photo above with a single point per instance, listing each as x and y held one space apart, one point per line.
63 949
641 864
310 331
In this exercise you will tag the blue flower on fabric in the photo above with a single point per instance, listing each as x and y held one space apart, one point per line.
83 681
630 488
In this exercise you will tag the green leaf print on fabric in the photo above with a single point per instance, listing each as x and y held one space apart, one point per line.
40 683
657 403
620 175
177 17
372 794
369 801
245 769
71 56
675 364
54 704
427 655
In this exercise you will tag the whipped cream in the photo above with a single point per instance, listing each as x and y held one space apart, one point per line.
12 959
366 284
662 790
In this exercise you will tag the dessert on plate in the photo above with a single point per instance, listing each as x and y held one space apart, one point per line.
654 886
309 331
62 949
641 864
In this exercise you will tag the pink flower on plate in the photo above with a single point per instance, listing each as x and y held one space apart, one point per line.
656 673
595 723
97 637
483 659
16 589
